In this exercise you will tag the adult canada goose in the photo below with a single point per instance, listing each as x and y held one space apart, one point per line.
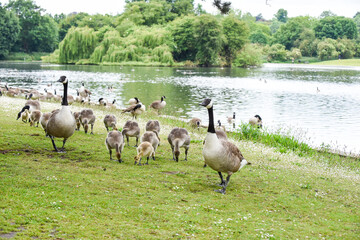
87 117
256 121
220 154
111 105
30 105
35 118
231 119
77 120
153 138
145 149
131 129
110 121
195 123
44 120
153 125
115 140
158 104
56 97
135 110
84 93
179 137
134 101
221 135
25 116
61 123
102 101
48 95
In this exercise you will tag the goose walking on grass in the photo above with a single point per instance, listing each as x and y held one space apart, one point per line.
177 138
87 117
61 123
131 129
135 110
153 125
110 122
256 121
220 154
115 140
158 104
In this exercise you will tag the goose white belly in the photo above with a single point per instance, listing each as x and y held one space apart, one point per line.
64 123
213 154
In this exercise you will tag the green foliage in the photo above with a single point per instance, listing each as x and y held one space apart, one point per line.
259 37
207 35
336 27
281 15
295 53
97 21
71 20
250 55
346 48
79 43
9 31
46 33
326 49
236 35
277 52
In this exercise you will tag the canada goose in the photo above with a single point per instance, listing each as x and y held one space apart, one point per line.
145 149
231 119
30 105
153 138
110 121
134 101
220 135
48 95
111 105
153 125
77 120
25 116
10 92
131 129
44 120
34 95
135 110
61 123
56 97
158 104
220 127
102 102
83 92
35 118
220 154
115 140
70 99
195 123
179 137
87 117
256 121
78 98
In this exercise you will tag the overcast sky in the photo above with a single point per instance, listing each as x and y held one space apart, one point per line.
347 8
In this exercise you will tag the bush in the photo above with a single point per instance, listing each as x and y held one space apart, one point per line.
277 52
250 55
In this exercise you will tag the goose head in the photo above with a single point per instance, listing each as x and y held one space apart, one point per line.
63 80
208 103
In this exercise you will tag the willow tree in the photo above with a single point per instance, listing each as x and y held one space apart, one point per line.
79 43
110 38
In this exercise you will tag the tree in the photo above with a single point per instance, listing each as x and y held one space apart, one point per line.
326 49
281 15
336 27
9 31
207 35
236 34
325 14
31 21
71 20
277 52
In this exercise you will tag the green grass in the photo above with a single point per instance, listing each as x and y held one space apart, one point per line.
343 62
81 194
27 57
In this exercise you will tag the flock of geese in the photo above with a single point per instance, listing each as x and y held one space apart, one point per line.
218 152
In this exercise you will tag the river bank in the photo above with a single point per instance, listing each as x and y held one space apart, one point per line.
281 195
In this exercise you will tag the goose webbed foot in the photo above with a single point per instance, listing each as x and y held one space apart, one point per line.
222 191
120 160
205 165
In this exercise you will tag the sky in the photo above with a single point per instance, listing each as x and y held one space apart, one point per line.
314 8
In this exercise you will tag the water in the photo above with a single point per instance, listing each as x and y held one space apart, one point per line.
318 104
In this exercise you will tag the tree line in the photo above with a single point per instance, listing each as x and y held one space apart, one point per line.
168 32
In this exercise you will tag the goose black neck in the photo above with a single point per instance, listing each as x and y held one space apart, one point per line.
211 128
64 100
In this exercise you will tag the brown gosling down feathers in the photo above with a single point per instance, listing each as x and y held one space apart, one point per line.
131 129
220 154
195 123
77 119
44 120
153 125
177 138
151 137
115 140
145 149
35 118
110 122
87 117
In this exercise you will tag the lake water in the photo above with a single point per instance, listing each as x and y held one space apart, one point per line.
318 104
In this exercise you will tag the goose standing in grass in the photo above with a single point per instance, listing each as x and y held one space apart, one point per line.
134 101
115 140
131 129
231 119
48 95
110 121
158 104
135 110
77 120
83 92
25 116
256 121
87 117
102 101
153 138
220 127
195 123
30 105
44 120
35 118
145 149
179 137
153 125
56 97
61 123
220 154
111 105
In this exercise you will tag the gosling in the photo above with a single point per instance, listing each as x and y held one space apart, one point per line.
110 122
153 125
153 138
179 137
115 140
131 129
145 149
44 120
77 120
35 118
195 123
87 117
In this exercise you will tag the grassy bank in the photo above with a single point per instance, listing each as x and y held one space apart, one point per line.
343 62
81 194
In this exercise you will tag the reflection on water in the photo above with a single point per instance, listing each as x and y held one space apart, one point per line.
324 102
